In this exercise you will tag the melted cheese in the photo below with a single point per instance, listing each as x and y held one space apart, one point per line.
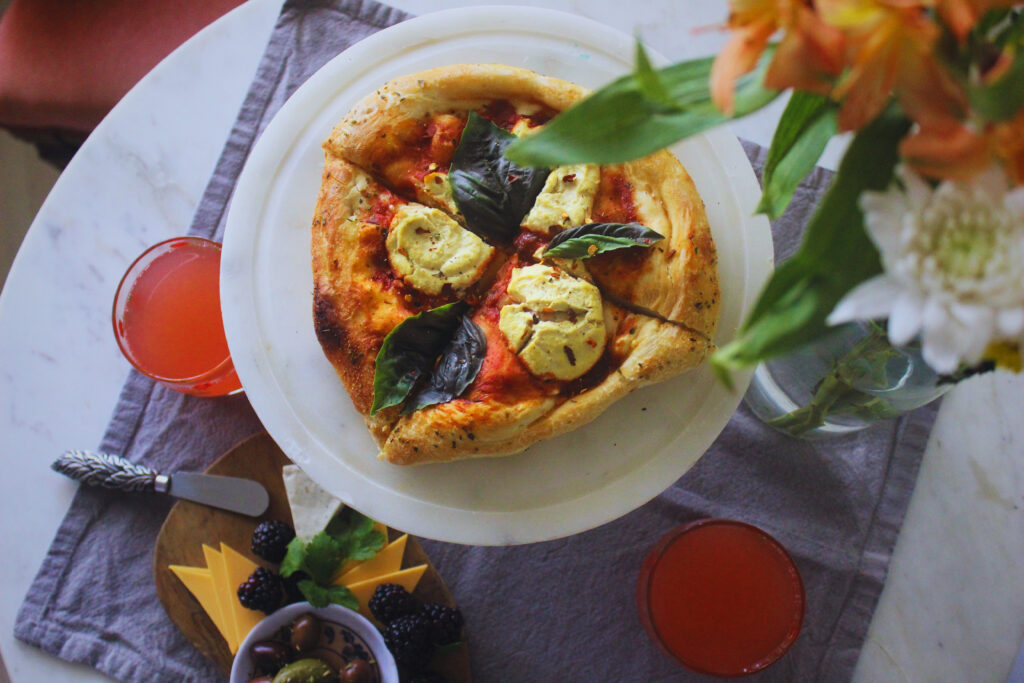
429 250
436 185
566 199
555 321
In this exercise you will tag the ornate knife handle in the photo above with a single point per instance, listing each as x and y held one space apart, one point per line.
109 471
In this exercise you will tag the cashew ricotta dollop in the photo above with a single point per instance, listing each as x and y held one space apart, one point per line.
566 199
554 322
429 250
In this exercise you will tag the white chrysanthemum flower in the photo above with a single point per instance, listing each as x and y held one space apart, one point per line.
953 261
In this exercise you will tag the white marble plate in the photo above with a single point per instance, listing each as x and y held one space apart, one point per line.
627 456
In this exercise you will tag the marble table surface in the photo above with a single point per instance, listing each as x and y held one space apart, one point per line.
953 606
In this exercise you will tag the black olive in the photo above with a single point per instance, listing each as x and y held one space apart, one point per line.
305 633
269 656
356 671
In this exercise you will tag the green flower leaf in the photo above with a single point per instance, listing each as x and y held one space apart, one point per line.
493 193
806 126
576 243
410 351
836 254
639 114
1002 99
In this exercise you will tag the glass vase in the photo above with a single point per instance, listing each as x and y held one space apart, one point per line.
844 381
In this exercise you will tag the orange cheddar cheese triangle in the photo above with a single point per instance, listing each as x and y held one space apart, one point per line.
199 582
363 590
219 573
239 568
388 560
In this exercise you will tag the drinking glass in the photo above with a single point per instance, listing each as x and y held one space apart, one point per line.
167 318
721 597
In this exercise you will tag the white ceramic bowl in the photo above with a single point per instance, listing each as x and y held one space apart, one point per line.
341 627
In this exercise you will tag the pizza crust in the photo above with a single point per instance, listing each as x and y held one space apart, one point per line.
676 278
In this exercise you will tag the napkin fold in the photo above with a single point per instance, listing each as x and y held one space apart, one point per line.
559 610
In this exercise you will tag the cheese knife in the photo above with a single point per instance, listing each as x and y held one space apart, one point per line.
114 472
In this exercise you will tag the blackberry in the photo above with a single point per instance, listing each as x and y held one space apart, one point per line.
445 623
408 638
270 539
261 591
427 677
391 601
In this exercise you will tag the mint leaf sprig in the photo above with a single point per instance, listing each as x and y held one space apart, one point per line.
349 536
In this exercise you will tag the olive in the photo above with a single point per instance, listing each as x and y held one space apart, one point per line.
269 656
356 671
307 671
305 633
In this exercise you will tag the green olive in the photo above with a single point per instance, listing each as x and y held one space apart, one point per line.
307 671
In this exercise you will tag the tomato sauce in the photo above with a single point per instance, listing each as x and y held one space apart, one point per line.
613 202
527 243
721 597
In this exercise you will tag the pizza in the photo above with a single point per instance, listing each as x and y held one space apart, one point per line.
472 307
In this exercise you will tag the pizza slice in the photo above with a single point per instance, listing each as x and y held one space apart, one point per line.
378 260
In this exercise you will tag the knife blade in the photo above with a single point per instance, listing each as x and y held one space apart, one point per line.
236 494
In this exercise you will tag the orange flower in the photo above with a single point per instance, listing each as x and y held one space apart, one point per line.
1008 143
946 151
808 57
890 45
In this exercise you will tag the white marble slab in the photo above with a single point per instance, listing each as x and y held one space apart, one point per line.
953 608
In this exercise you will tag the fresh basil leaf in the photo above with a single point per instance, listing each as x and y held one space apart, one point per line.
629 118
806 126
836 254
492 193
601 237
458 367
321 596
410 351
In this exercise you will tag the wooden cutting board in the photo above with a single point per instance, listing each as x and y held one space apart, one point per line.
189 525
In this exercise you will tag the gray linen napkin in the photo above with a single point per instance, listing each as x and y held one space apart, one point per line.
562 610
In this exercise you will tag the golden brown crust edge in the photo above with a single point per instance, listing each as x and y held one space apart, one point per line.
351 313
678 279
440 90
